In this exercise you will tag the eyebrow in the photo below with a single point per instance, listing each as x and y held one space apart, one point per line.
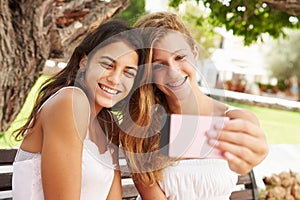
109 58
175 52
112 60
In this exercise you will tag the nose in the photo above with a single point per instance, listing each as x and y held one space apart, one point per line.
114 77
173 68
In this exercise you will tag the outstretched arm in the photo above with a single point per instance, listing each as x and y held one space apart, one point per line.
242 140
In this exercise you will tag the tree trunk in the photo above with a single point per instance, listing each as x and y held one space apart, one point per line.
290 6
298 78
32 31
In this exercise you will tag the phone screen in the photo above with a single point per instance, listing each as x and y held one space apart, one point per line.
184 136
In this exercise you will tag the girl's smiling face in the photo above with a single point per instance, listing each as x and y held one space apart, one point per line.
110 73
174 66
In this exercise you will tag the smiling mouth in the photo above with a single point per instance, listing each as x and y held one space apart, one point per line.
177 83
108 89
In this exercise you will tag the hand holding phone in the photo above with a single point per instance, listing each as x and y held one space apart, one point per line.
184 136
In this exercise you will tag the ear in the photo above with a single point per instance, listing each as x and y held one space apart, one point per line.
83 62
195 51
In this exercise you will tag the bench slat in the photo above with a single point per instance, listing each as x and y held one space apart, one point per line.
125 171
129 191
7 156
243 194
244 179
5 181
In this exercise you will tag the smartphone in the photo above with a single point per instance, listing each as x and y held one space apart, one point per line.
184 136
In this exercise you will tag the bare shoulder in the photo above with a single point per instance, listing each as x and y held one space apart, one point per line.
68 99
67 111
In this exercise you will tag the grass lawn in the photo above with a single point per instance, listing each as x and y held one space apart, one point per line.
281 127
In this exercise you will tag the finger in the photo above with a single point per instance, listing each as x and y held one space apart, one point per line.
240 139
240 160
236 164
256 143
238 113
241 152
258 146
239 125
232 137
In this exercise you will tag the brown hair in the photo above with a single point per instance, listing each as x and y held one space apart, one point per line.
142 149
107 33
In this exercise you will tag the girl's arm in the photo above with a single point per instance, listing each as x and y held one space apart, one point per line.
115 192
153 192
116 188
64 123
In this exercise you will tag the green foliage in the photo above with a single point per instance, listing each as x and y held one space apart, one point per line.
201 30
133 12
282 86
175 3
283 58
246 18
7 139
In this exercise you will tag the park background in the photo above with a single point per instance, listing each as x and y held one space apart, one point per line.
259 70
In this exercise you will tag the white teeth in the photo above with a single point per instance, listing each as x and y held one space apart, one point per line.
109 90
177 83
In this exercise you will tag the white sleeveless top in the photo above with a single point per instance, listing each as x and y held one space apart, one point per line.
198 179
97 174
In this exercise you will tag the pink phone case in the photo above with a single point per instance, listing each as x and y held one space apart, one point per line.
183 136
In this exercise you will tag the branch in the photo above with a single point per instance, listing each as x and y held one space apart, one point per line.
75 18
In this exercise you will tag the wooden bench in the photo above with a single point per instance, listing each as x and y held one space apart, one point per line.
247 188
246 184
7 157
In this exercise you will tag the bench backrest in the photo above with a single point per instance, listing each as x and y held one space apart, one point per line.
7 157
247 189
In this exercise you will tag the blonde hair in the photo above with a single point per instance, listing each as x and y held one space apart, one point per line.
164 22
142 148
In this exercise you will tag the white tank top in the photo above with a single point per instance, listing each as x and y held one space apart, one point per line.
194 179
97 174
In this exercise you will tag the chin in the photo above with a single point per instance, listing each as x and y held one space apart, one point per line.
183 95
106 105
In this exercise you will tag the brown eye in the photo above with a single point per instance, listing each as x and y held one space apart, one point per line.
180 57
130 73
106 65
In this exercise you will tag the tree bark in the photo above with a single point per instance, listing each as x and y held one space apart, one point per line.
32 31
290 6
